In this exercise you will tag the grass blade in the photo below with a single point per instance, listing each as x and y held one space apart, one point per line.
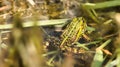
104 4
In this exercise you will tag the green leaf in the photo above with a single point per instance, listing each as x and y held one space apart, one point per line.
105 44
90 29
91 12
81 45
98 59
103 4
112 63
39 23
49 53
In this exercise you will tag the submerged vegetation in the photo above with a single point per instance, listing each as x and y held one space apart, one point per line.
59 33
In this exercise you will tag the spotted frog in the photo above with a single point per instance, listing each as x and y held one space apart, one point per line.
73 32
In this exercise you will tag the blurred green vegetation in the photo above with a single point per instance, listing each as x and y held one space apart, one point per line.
32 31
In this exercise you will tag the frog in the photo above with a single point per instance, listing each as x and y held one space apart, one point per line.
72 33
65 45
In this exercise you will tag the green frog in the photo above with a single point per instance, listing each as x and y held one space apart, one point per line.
73 33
